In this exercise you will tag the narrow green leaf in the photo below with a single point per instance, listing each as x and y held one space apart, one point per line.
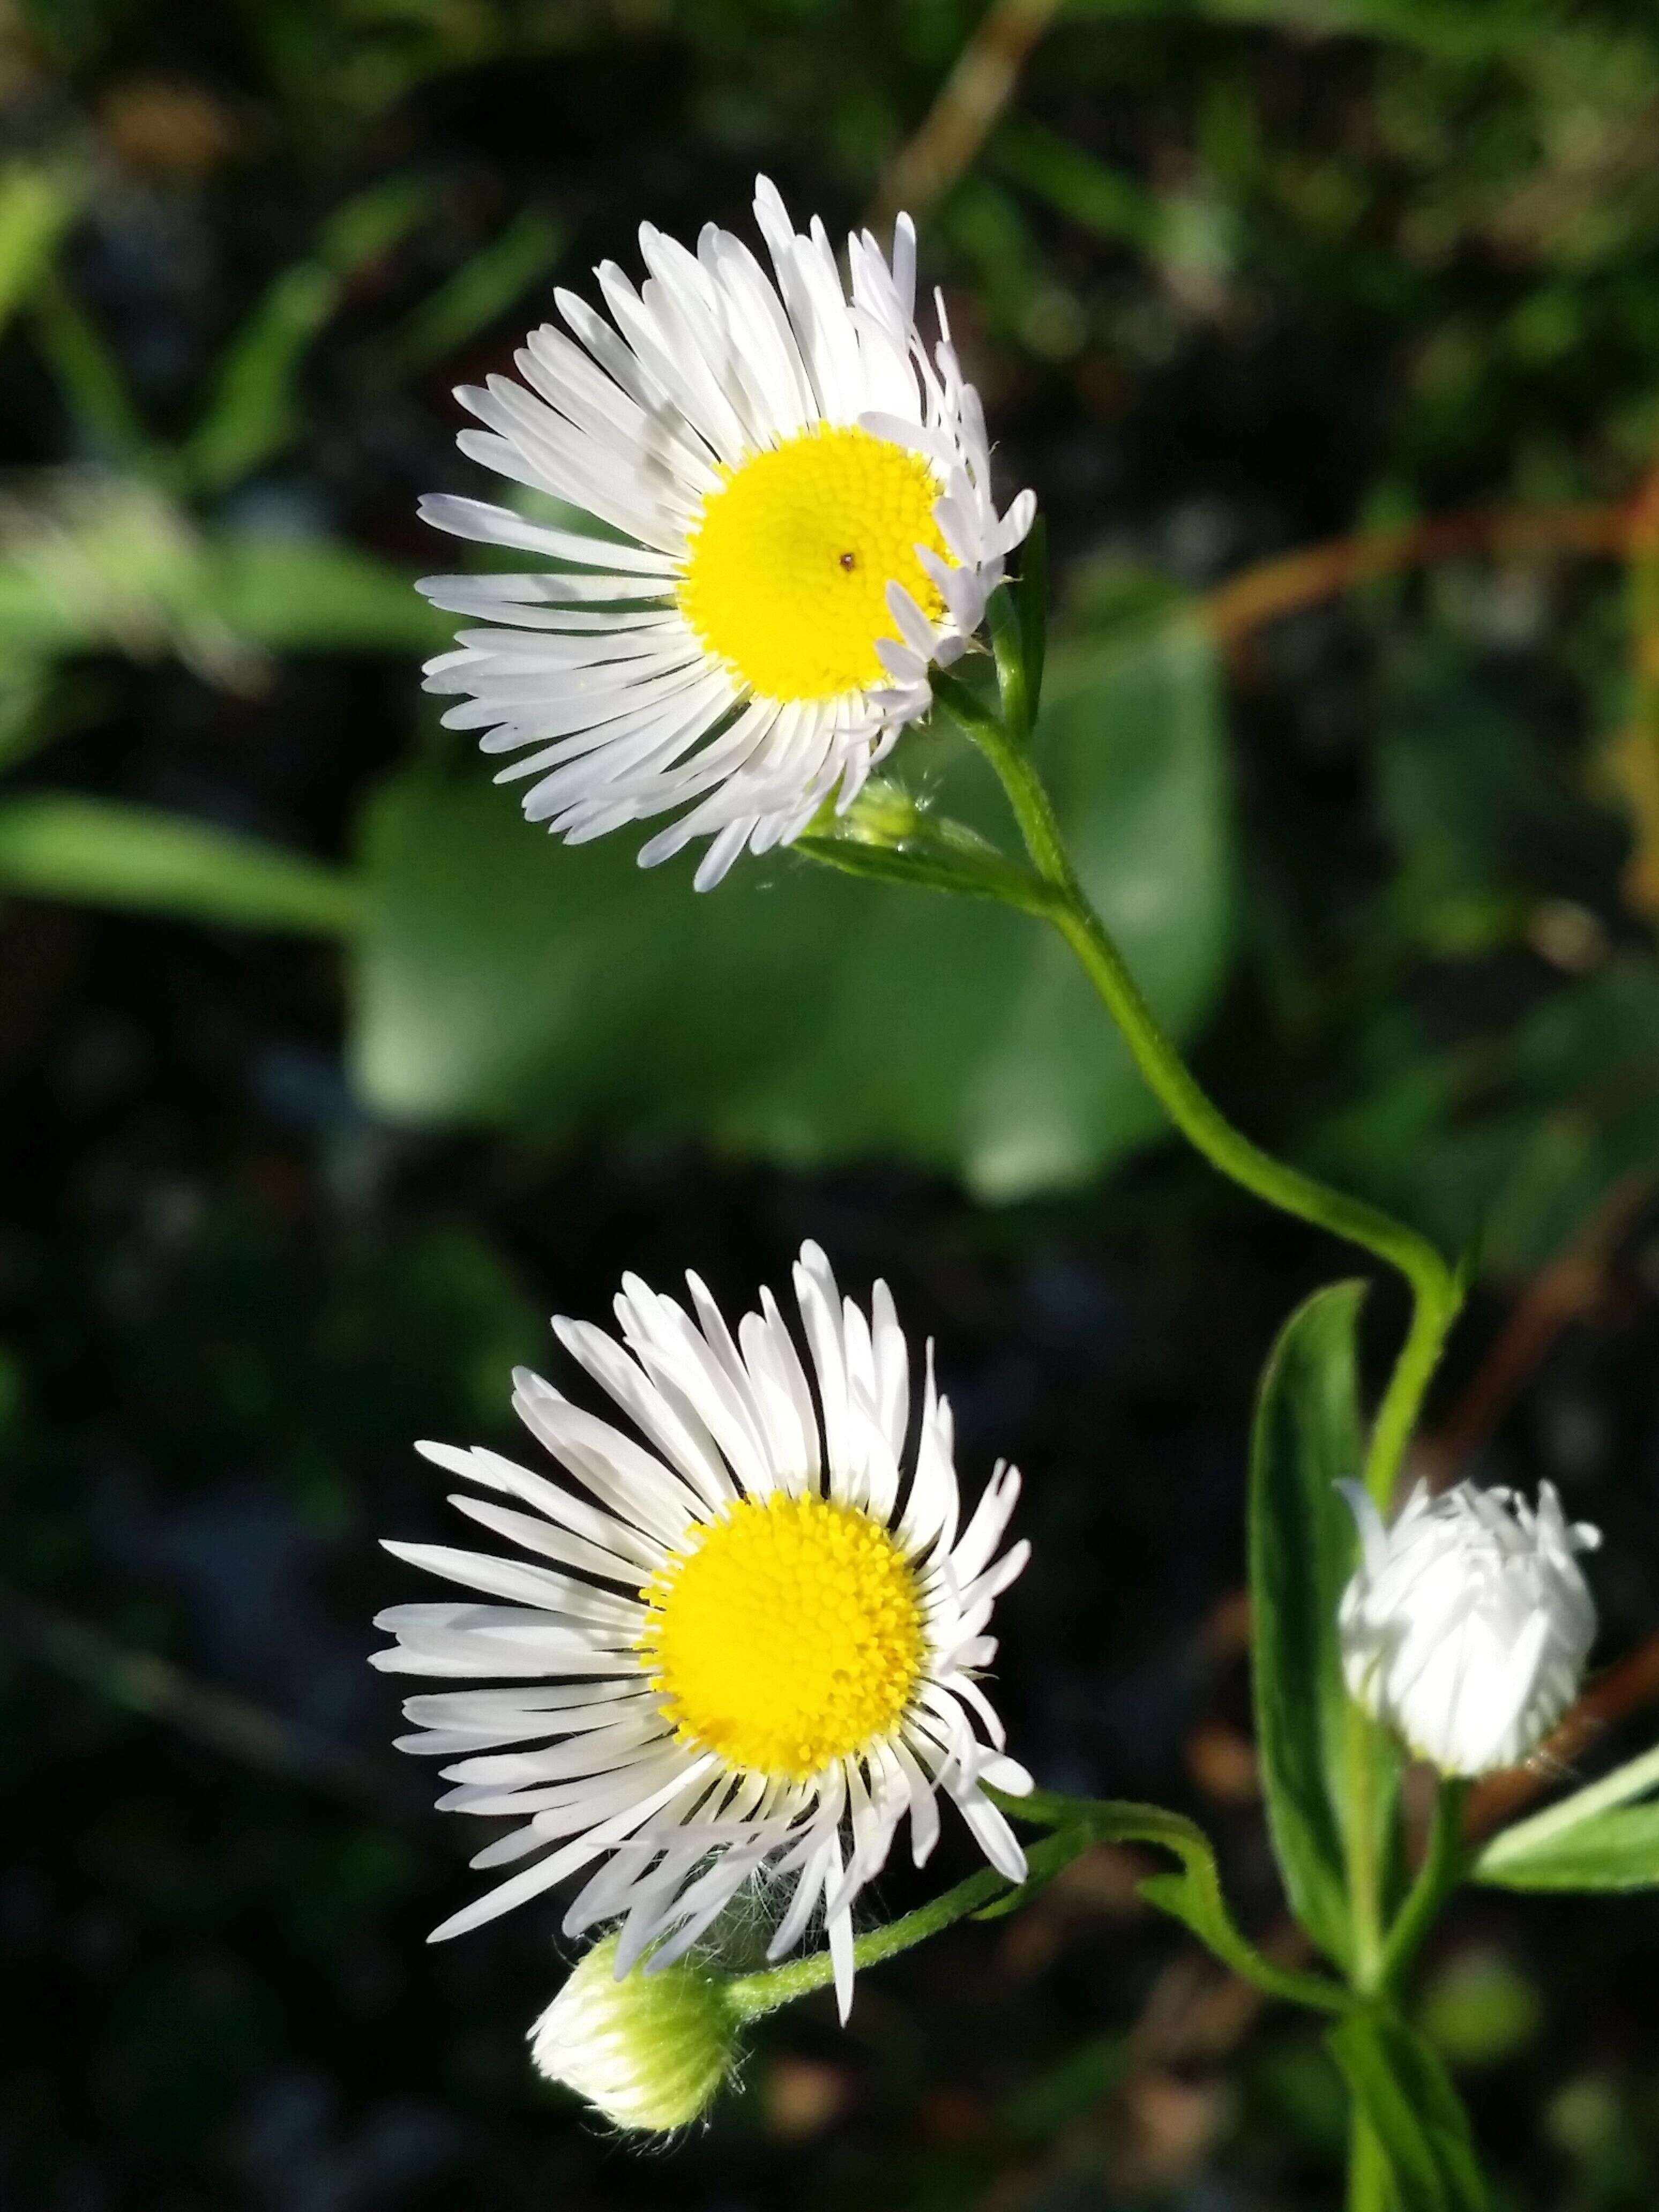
1616 1850
315 595
1080 186
1008 647
1415 2113
253 410
924 868
482 289
1553 1835
1043 1861
36 205
93 386
1307 1438
128 573
97 854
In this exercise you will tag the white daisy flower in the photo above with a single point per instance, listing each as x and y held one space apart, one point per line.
1467 1622
759 1647
792 521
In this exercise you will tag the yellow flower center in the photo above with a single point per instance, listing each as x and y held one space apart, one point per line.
790 561
785 1635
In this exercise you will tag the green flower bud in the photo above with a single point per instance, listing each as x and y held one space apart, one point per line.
883 813
649 2051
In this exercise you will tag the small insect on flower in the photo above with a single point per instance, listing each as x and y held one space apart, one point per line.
786 520
1466 1625
759 1647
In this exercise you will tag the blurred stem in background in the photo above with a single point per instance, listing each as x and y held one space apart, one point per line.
969 101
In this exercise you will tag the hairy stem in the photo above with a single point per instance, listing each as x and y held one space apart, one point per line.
752 1995
1074 1824
1442 1869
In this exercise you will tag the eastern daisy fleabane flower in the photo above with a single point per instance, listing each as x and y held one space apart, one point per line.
1467 1622
791 521
758 1645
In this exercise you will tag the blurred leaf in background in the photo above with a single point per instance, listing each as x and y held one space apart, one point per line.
506 979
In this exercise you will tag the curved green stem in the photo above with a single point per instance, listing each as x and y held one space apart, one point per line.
752 1995
1193 1897
1437 1290
1435 1302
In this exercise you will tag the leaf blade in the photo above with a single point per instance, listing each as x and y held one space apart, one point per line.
1307 1438
517 982
96 853
1616 1850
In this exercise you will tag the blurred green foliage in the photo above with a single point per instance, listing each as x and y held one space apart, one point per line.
798 1015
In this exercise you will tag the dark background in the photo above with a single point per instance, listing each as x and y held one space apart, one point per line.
1235 280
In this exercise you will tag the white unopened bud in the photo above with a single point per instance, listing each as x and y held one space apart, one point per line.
1467 1625
650 2052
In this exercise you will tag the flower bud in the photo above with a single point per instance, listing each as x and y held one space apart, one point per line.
883 813
649 2051
1467 1623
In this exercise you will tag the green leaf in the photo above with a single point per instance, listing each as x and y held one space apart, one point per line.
482 289
89 376
97 854
1307 1438
1617 1850
117 566
1105 201
254 411
1414 2112
793 1014
313 595
36 205
1595 1839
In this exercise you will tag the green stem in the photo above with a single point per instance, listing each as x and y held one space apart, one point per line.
1436 1301
1075 1824
752 1995
1369 2187
1360 1838
1442 1869
1437 1290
